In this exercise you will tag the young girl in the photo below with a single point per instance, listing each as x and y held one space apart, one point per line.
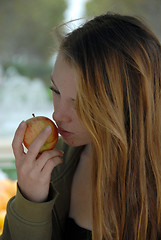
103 179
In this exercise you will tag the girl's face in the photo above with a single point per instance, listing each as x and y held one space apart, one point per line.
64 87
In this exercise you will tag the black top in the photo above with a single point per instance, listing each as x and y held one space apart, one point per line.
75 232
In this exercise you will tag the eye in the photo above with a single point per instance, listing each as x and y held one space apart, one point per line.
54 90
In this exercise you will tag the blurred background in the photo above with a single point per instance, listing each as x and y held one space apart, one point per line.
27 55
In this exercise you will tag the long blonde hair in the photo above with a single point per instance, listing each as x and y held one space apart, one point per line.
118 60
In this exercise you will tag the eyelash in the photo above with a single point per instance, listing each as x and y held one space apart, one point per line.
58 93
54 90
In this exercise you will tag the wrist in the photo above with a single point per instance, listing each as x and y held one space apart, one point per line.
32 211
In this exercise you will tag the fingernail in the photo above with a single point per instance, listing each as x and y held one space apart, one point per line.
48 129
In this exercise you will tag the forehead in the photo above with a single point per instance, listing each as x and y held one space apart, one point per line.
64 76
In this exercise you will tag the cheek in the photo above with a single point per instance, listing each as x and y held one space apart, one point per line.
55 101
82 131
80 126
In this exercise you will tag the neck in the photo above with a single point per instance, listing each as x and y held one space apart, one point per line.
87 150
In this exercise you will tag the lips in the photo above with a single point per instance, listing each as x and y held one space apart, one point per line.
63 132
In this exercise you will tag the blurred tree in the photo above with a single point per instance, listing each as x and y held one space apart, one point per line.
148 10
26 29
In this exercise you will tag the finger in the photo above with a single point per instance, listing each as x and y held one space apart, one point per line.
48 168
45 156
34 148
18 140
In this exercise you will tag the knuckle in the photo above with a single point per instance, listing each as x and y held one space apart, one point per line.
31 149
46 155
56 161
56 153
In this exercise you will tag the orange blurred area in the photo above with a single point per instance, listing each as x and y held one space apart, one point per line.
7 190
2 217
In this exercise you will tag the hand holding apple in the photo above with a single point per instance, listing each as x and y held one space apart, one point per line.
36 125
34 169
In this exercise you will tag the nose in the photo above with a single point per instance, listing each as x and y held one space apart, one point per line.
62 115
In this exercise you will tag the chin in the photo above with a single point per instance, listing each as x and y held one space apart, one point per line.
74 143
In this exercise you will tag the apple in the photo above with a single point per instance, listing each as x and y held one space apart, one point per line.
35 126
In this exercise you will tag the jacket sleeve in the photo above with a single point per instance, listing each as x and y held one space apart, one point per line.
28 220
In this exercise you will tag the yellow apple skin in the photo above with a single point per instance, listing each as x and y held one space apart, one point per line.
35 126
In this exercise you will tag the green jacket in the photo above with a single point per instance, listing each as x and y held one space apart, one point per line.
27 220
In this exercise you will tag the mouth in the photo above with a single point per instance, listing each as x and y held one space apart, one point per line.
63 132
